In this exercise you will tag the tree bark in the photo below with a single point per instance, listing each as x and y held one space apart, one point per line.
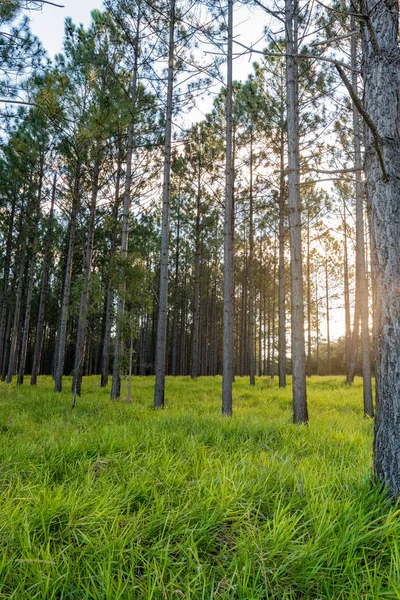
381 59
161 347
227 370
300 412
252 361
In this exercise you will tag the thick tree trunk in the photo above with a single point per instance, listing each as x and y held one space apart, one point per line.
227 370
300 412
161 347
43 289
381 59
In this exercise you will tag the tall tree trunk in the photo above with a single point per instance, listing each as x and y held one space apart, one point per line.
300 412
328 336
118 341
317 325
43 288
62 334
308 299
105 359
281 270
382 166
252 358
346 288
17 314
161 348
31 278
273 316
360 247
6 278
175 324
196 299
84 302
227 371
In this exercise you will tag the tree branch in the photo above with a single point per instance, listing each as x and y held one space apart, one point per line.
7 101
368 121
300 56
335 39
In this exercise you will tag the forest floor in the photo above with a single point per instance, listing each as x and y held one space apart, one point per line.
115 501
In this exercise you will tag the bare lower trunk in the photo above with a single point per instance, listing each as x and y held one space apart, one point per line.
328 330
300 413
118 341
105 358
196 300
382 102
28 305
161 347
346 288
84 302
252 361
360 249
227 370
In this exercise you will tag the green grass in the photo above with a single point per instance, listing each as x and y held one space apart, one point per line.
111 501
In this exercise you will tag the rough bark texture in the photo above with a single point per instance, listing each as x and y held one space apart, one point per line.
227 360
300 413
381 60
163 297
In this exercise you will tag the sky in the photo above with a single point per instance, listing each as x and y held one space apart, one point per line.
48 25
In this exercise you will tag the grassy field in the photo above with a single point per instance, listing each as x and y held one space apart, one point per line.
114 501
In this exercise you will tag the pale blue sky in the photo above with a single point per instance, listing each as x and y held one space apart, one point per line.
48 24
